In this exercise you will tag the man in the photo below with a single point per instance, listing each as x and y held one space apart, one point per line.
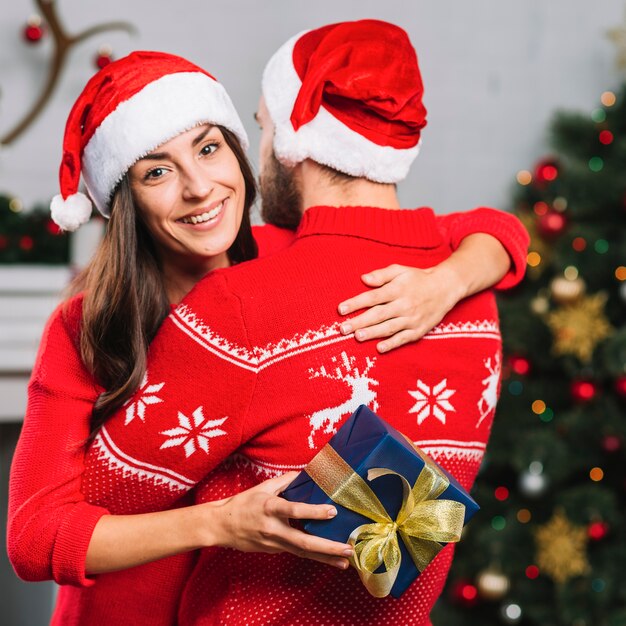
257 363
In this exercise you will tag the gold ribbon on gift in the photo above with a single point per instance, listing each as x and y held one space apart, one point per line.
423 522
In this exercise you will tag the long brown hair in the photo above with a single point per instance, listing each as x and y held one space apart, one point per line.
124 300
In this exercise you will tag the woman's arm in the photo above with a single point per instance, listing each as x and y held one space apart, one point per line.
406 302
256 520
49 522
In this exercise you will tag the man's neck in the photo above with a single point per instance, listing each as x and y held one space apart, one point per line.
317 188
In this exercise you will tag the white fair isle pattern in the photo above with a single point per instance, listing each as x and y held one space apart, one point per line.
193 435
433 401
256 358
138 408
489 395
484 329
450 449
359 385
261 469
116 460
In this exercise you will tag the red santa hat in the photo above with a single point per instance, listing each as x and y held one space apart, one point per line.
125 111
348 96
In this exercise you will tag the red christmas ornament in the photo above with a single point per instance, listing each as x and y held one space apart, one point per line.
27 243
611 443
519 364
4 242
464 592
583 390
620 386
53 228
597 530
103 58
33 31
551 224
546 171
606 137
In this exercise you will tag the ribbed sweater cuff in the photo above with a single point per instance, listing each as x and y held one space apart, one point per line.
507 229
72 540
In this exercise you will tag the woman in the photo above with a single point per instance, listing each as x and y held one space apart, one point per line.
160 148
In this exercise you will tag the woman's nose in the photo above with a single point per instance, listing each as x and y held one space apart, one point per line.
196 183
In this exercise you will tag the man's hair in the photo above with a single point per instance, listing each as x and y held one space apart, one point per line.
335 176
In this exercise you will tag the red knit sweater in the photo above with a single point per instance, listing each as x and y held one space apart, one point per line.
51 520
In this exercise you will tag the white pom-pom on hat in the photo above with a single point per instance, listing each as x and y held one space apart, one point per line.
71 213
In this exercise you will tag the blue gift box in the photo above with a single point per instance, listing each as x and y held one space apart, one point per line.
365 441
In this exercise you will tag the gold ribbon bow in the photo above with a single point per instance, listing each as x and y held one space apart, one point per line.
423 522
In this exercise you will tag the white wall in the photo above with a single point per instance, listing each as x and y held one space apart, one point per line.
494 72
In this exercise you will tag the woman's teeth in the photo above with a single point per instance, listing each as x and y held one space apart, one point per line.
205 217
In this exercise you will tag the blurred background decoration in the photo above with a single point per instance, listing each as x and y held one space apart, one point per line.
550 546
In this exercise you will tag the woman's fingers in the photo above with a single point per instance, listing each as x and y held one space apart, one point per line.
384 275
367 299
399 339
278 484
302 544
279 507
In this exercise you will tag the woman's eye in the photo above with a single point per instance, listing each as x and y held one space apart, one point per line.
210 148
157 172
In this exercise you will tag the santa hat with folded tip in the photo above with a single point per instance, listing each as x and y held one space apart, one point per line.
125 111
348 96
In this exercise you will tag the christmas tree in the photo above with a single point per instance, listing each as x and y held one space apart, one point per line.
549 546
30 236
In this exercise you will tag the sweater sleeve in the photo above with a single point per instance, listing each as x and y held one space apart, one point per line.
188 414
505 227
49 523
270 238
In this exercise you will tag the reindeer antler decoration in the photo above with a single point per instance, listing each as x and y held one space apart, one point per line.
62 43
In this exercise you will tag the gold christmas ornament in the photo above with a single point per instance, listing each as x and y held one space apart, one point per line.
579 326
564 290
561 548
493 584
540 305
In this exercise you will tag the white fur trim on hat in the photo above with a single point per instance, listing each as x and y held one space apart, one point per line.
72 212
324 139
160 111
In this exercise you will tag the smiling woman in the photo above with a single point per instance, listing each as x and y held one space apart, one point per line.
191 195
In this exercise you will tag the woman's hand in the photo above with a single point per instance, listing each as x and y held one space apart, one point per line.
257 520
407 303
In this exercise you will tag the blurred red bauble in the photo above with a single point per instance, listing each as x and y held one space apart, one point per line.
104 57
102 60
53 228
583 390
4 242
620 386
546 171
551 224
33 31
611 443
597 530
27 243
519 364
464 592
